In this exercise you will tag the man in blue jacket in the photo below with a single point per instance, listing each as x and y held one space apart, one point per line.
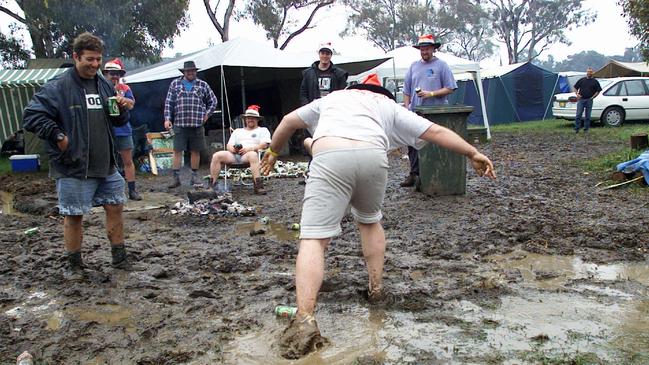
71 114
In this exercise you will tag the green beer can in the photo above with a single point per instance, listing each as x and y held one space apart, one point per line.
285 311
113 107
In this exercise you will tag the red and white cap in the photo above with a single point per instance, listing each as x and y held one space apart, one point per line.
427 40
252 111
115 65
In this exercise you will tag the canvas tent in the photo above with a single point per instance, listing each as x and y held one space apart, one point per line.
513 93
568 79
16 89
403 57
621 69
252 73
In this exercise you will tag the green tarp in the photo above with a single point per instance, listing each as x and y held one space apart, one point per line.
16 89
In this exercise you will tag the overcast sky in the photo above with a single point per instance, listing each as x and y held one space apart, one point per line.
608 35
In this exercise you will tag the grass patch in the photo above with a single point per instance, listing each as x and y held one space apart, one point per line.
5 165
536 126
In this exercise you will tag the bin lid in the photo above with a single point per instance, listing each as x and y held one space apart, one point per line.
23 157
444 109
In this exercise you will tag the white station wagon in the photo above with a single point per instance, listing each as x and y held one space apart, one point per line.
621 98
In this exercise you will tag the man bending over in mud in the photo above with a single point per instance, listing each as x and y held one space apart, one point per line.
353 130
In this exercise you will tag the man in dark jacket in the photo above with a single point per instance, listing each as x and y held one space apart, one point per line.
73 115
322 77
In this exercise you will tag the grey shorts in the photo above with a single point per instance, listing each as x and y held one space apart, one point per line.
337 179
189 139
124 143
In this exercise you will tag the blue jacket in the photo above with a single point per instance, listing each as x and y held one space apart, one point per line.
60 106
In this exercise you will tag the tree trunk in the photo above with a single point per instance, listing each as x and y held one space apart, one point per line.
639 141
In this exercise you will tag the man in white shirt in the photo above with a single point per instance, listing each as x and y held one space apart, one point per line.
352 131
243 147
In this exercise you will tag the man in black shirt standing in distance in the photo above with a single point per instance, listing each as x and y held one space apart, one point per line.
322 77
319 80
587 88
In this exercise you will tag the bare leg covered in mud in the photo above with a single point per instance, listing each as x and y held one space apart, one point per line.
302 335
373 242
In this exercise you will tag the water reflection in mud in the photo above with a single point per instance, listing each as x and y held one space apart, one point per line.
280 231
553 271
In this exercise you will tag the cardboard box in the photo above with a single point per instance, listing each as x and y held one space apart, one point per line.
25 163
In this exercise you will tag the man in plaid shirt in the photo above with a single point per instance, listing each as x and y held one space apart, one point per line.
189 104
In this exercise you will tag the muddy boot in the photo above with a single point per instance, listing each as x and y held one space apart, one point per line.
300 338
194 181
74 271
409 181
258 185
120 261
134 195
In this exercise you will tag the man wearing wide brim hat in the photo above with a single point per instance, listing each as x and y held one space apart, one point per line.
352 131
428 82
243 147
188 105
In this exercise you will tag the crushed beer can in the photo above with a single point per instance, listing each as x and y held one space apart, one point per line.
285 311
31 231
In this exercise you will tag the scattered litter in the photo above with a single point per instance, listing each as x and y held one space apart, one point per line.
264 220
31 231
295 226
25 359
282 170
285 311
222 206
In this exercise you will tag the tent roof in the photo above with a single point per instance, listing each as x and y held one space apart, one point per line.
246 53
29 77
619 69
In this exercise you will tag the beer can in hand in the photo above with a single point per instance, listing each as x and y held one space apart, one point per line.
113 107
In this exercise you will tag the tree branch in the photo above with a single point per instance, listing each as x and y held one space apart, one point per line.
12 14
212 16
307 23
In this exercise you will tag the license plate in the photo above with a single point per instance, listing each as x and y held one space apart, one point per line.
562 104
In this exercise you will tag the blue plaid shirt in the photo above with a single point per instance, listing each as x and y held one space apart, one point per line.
189 108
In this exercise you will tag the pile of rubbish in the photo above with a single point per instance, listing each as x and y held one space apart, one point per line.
282 169
221 206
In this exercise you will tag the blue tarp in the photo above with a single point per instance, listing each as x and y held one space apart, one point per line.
640 164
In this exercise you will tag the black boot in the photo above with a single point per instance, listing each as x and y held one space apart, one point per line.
120 261
74 271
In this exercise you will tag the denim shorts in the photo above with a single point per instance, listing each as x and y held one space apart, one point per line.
189 139
77 196
123 143
338 179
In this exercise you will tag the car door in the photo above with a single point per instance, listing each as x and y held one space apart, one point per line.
636 102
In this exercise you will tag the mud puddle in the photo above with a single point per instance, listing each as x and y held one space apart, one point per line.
522 328
554 271
282 232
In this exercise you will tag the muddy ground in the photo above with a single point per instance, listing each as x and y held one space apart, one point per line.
535 267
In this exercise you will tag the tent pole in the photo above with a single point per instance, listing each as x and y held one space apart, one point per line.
485 118
225 176
243 89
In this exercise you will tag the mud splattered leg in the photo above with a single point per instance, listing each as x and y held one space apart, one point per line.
373 242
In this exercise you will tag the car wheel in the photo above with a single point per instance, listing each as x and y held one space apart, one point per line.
613 116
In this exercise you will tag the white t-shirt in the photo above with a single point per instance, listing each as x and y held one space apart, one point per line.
364 116
250 138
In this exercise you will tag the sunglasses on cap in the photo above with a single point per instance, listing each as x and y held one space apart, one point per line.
113 73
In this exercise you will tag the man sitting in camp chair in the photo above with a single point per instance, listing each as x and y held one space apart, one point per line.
243 147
